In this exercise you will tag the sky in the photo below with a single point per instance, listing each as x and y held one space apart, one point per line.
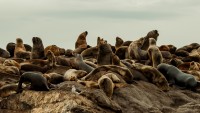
60 22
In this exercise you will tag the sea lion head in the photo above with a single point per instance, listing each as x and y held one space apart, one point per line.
119 42
36 41
153 34
19 41
152 41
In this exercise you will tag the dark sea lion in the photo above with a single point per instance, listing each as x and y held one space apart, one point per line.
37 51
126 43
38 82
118 43
104 53
32 67
122 52
4 53
177 77
69 53
81 41
185 50
20 50
82 65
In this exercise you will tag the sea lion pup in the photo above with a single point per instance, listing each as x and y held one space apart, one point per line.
4 53
135 52
54 78
37 51
10 47
38 82
74 75
106 84
104 53
177 77
152 34
9 62
55 49
81 41
154 53
118 43
7 90
20 50
81 64
51 59
90 52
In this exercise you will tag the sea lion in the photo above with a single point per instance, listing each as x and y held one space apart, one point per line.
106 84
185 50
90 52
20 50
118 43
32 67
135 52
152 34
154 53
122 73
38 82
9 62
194 66
177 77
74 75
69 53
37 51
55 49
54 78
10 47
10 70
4 53
82 65
81 41
7 90
51 59
176 62
104 53
126 43
122 52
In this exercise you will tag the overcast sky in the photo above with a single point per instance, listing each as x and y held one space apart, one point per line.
60 22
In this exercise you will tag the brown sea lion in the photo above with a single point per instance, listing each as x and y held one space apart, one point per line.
154 53
152 34
10 70
90 52
37 51
38 82
4 53
176 62
55 49
9 62
10 47
104 53
7 90
122 52
51 59
20 50
107 85
135 52
54 78
81 41
185 50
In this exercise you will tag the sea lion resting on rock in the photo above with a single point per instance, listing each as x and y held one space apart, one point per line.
82 65
54 78
37 51
175 76
38 82
55 49
154 53
74 75
9 62
7 90
9 69
4 53
20 50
